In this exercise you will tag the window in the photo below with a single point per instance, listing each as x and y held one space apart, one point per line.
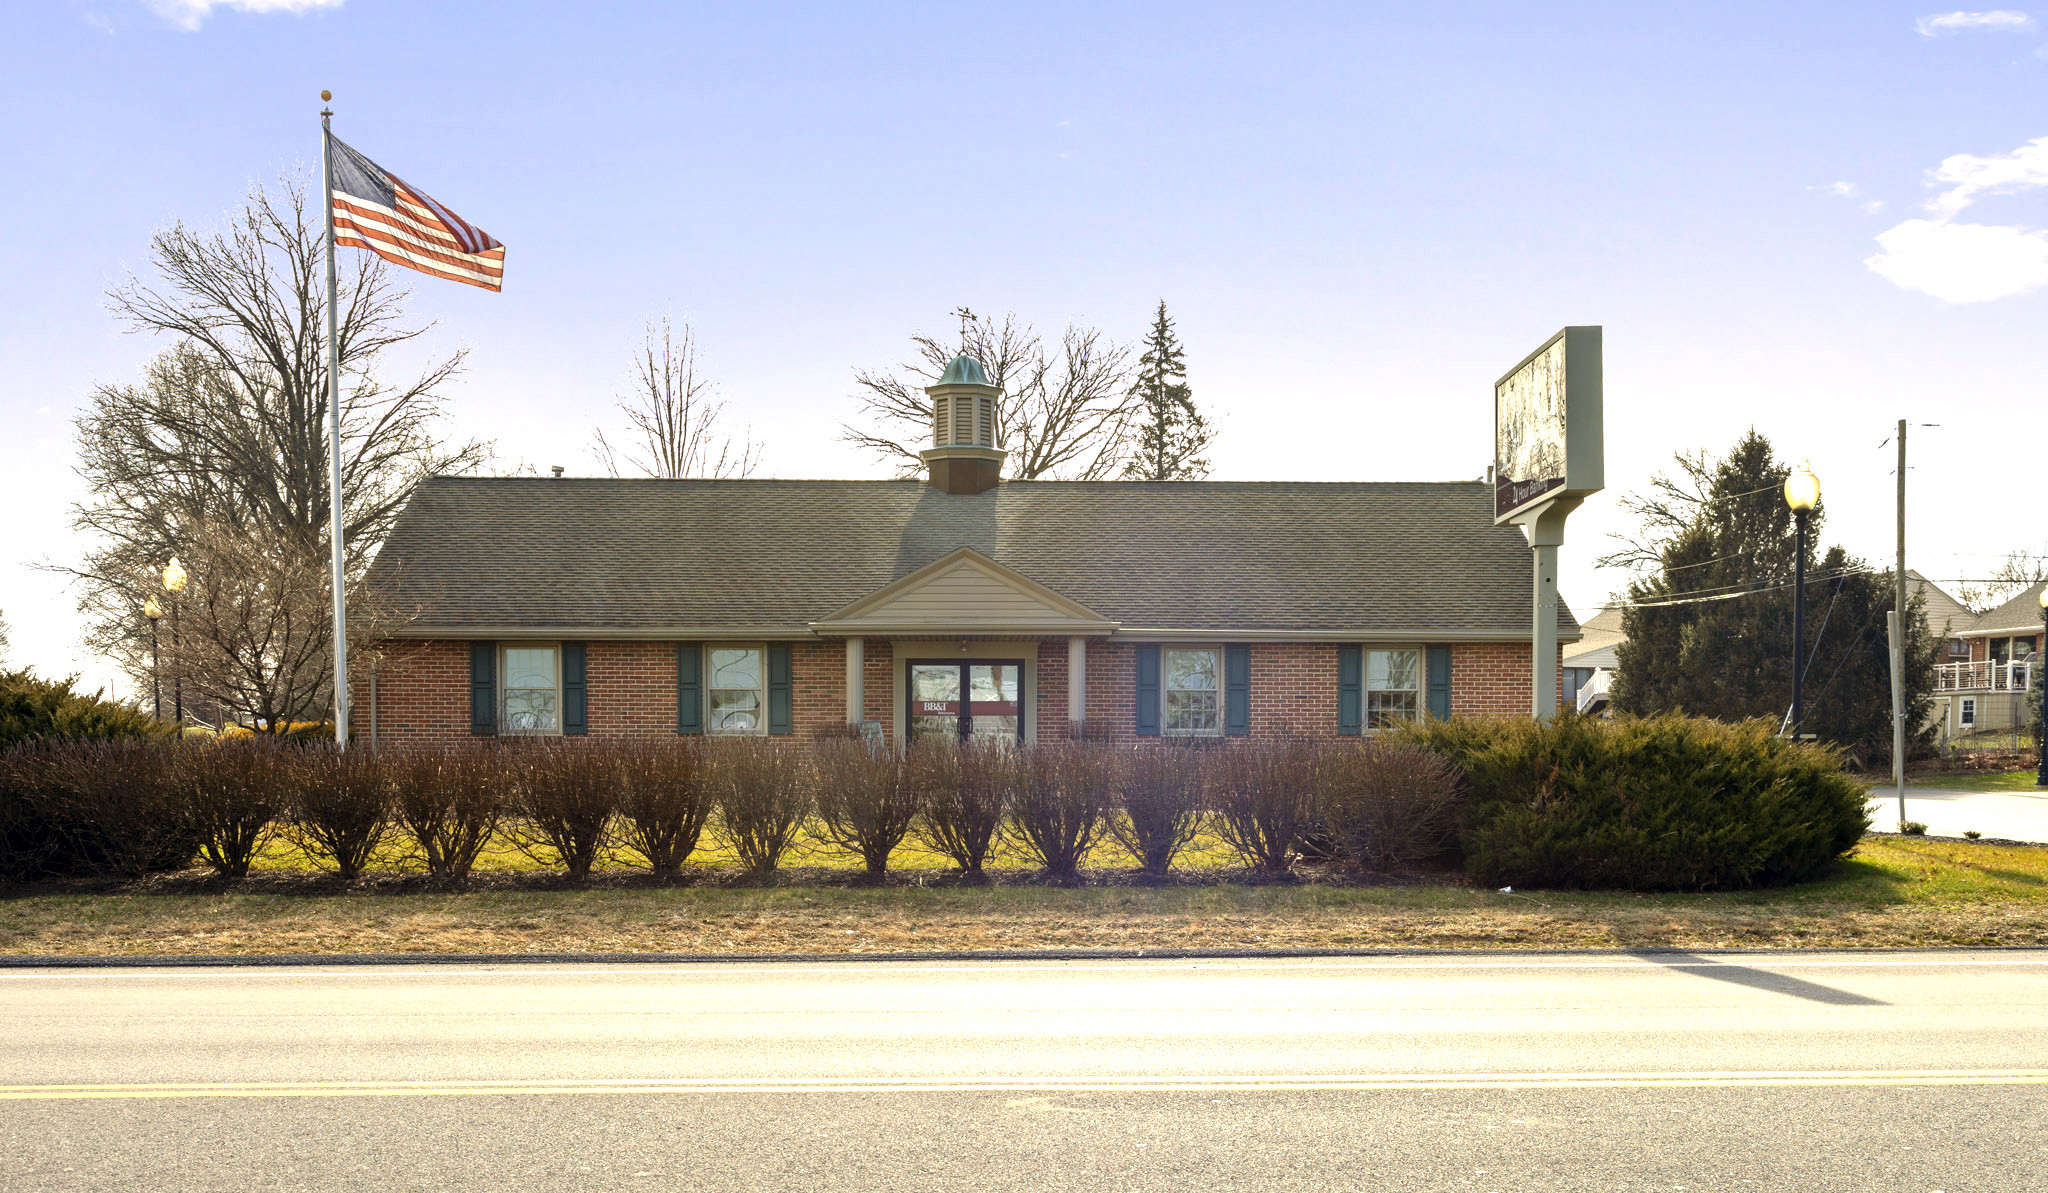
1390 686
1959 648
1575 681
737 690
530 698
1967 718
1193 684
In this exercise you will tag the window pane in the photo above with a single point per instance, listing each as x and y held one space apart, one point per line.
1192 712
1191 669
530 667
735 711
1390 670
1388 708
735 667
530 710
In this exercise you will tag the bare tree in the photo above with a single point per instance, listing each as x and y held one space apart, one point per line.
1663 513
2018 572
674 418
1064 413
219 454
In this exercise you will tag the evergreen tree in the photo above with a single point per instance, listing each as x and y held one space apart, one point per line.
1709 627
1172 434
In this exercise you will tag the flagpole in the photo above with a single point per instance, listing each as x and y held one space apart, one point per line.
334 434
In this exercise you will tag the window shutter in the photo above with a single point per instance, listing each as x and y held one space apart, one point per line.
1148 689
1237 689
779 689
689 687
483 688
1350 689
1440 682
575 688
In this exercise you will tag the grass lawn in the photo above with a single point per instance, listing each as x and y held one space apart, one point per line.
1892 892
2006 780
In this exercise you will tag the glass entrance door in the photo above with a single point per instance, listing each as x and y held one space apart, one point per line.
993 705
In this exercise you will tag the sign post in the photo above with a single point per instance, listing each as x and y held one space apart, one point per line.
1548 457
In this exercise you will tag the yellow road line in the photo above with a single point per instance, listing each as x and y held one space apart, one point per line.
870 1085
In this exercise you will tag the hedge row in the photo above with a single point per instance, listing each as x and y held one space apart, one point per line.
125 808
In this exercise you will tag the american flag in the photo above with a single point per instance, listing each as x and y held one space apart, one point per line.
375 210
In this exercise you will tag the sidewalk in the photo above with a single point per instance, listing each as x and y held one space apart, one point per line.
2006 815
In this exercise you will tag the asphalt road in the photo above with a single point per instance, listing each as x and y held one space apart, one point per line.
1804 1072
2002 815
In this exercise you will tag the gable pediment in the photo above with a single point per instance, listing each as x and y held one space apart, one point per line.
965 593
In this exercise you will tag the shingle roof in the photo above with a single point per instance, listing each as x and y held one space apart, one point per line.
677 556
2019 615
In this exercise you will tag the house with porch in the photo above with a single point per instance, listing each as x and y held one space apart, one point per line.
958 604
1991 662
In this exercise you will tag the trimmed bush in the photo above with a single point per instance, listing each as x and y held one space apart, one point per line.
962 792
1263 795
1062 794
1159 803
865 799
96 808
1660 803
567 792
33 709
233 793
664 801
1385 804
340 810
763 798
449 800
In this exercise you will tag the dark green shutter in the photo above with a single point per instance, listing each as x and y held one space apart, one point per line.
689 687
780 703
1440 682
1237 689
1148 689
483 688
1350 689
575 688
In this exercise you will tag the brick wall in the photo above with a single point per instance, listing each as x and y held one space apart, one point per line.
632 688
1492 679
422 691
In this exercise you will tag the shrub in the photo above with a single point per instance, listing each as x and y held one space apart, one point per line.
866 800
1159 803
763 798
1061 794
97 807
1263 798
1660 803
232 792
449 800
1387 803
664 800
340 809
962 792
567 793
1912 828
33 709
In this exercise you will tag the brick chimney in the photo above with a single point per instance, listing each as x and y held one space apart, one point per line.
963 457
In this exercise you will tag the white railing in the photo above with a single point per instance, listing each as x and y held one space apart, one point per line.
1984 676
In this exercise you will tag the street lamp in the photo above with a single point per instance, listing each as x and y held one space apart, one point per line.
1802 493
155 613
174 578
2041 733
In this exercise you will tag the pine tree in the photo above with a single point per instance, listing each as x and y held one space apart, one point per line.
1172 434
1709 629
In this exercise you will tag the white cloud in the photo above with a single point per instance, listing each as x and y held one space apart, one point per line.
190 14
1874 206
1846 190
1970 262
1961 262
2003 20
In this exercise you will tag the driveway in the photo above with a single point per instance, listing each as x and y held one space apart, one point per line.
2006 815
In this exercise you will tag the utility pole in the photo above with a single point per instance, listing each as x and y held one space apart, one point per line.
1898 637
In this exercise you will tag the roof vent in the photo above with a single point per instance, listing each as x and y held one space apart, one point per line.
557 470
963 457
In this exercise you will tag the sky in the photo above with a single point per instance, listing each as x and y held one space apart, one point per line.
1808 219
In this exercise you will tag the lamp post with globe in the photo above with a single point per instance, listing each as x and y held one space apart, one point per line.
174 579
155 613
1802 493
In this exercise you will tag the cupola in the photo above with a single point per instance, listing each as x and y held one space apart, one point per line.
963 457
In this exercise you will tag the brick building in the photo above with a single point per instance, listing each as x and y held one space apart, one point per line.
957 604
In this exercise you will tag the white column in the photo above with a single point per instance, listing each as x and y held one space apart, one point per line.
856 699
1077 681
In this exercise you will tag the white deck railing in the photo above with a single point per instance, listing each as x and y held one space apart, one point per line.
1983 676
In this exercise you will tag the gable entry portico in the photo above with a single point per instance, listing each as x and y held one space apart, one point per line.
960 604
